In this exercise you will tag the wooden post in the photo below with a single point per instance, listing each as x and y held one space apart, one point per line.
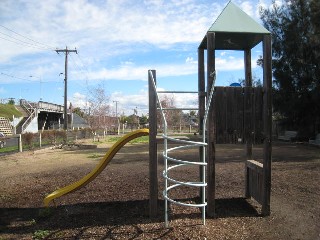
247 67
20 143
40 140
267 122
201 102
153 156
248 123
248 114
210 137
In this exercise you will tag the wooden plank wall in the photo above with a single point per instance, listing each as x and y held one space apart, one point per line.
255 180
235 114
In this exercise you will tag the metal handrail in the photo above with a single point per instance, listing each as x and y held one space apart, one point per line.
180 109
208 104
32 114
27 122
177 92
158 100
23 105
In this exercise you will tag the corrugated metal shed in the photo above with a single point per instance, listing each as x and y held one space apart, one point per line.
235 30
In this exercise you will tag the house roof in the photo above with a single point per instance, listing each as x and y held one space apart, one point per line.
235 30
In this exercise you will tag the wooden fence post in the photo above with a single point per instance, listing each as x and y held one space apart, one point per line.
20 143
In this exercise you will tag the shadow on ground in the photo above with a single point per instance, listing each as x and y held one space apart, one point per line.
107 220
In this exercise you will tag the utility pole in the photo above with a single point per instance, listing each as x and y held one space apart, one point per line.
118 122
66 51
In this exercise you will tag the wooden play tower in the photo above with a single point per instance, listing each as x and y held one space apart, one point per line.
237 115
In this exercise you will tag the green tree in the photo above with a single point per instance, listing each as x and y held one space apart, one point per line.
143 119
256 82
78 111
296 49
11 101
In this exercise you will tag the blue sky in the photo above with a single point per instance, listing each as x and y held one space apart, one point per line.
117 42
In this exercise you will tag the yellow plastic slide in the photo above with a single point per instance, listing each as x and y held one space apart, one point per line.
98 169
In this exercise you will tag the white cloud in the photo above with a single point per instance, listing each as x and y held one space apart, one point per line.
186 100
140 102
223 64
110 37
223 53
127 102
81 23
132 72
79 100
247 7
190 60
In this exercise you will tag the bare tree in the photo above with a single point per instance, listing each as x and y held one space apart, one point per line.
173 117
99 108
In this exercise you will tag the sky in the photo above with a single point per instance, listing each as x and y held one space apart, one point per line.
117 42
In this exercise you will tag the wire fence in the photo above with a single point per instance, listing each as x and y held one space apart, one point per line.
32 141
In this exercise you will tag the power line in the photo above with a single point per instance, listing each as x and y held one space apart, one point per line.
76 64
83 63
23 44
24 79
80 68
8 75
47 46
88 73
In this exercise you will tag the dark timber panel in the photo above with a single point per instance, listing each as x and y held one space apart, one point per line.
238 114
257 115
255 180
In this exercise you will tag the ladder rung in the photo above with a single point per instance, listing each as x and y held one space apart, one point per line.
177 92
196 109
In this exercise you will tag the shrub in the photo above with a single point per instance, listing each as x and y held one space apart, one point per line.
54 136
27 139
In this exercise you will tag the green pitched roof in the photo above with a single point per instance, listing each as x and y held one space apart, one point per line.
235 30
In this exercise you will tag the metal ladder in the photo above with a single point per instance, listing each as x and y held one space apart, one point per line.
177 163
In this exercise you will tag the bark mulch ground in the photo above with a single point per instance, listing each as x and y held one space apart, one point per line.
115 204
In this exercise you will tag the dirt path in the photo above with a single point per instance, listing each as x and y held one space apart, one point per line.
115 204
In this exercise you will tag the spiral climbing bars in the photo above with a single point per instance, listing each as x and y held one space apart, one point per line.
176 163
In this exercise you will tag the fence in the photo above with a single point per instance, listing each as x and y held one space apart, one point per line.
28 141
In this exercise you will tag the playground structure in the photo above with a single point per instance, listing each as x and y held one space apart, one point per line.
233 30
219 111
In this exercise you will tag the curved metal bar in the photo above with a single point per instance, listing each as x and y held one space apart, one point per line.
183 162
197 205
190 184
178 92
184 141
